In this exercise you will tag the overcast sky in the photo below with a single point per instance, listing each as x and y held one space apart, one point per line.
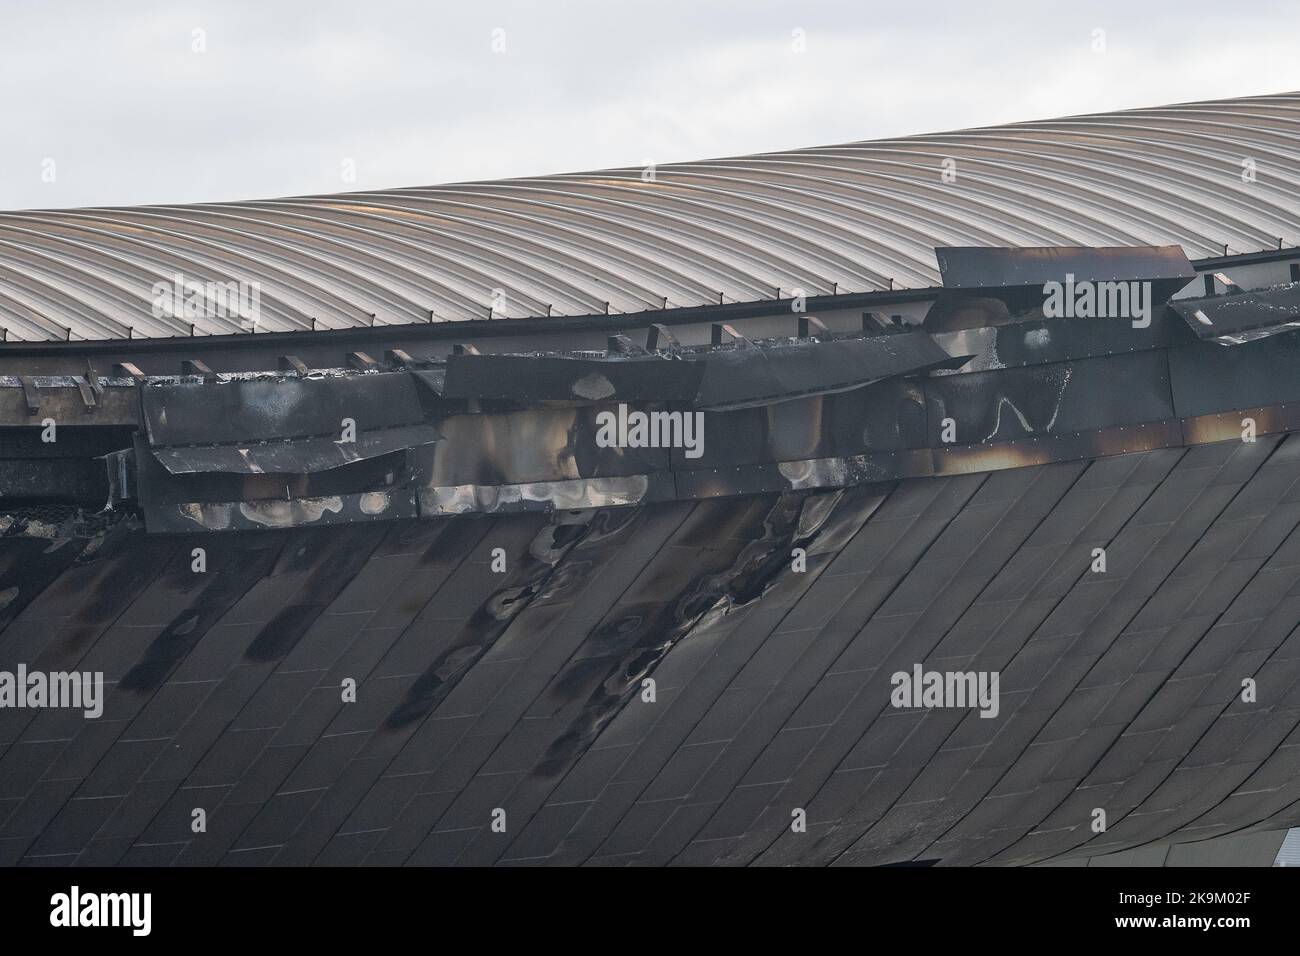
167 101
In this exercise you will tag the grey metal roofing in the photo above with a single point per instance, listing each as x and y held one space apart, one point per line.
856 217
523 691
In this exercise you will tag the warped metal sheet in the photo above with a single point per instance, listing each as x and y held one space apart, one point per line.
272 409
562 378
576 493
1244 316
747 377
887 416
532 445
268 514
719 379
1046 399
304 456
993 286
1052 340
1206 378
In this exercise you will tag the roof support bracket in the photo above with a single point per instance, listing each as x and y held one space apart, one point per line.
291 363
657 331
809 322
197 367
30 395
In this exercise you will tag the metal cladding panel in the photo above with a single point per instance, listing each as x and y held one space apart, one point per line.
304 456
534 445
523 689
885 417
848 218
1207 378
1050 399
725 378
63 400
1054 340
275 409
1243 316
986 287
758 376
557 378
541 496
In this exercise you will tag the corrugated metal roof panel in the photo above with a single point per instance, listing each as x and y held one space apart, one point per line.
851 218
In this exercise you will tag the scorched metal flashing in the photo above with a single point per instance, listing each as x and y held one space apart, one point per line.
505 433
988 287
752 373
1243 316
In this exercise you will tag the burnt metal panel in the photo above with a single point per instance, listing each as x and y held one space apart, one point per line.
369 489
1206 378
304 456
1050 399
745 377
1053 340
986 286
803 475
720 378
61 398
1243 316
70 479
567 378
575 493
268 453
272 409
533 445
273 513
1056 447
884 417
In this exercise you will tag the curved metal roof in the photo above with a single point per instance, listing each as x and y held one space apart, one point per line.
858 217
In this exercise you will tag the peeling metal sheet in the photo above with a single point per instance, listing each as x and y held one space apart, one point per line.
1052 340
534 445
305 456
269 514
718 379
573 379
1244 316
258 410
986 286
546 495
